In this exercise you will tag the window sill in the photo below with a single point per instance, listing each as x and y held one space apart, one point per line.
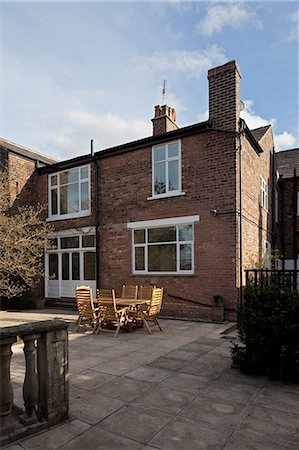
158 274
68 216
157 197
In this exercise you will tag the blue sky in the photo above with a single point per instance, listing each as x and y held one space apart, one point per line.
74 71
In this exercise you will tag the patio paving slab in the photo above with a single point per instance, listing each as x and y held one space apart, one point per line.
214 413
99 439
186 383
182 434
56 436
94 406
165 399
136 422
126 389
147 373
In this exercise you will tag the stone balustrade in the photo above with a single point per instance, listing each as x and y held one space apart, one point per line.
45 388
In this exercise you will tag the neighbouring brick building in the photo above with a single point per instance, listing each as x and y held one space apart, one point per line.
186 208
287 214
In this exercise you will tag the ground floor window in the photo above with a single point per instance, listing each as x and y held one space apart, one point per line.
164 246
71 262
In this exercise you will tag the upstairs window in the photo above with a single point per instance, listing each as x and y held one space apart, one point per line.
263 193
69 193
166 169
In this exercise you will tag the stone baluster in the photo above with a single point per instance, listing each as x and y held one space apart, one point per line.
30 387
7 423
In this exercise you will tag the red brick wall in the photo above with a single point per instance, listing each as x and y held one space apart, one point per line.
288 238
257 222
207 159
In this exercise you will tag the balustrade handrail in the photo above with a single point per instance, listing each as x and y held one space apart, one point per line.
45 388
32 328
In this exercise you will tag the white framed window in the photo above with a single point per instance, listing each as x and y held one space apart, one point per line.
166 170
163 247
69 193
263 193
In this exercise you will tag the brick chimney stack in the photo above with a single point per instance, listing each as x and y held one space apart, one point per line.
224 96
164 120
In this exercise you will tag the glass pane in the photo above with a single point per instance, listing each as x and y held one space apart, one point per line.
84 196
84 172
173 150
139 258
65 266
185 257
53 266
69 242
160 178
75 266
54 202
70 176
162 258
54 180
139 236
173 175
73 198
185 233
164 234
159 154
63 200
89 266
88 241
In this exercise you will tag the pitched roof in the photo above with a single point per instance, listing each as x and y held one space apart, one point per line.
28 153
287 161
258 133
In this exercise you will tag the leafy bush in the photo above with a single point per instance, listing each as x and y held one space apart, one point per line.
268 328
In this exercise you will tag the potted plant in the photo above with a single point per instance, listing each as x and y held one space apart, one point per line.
218 308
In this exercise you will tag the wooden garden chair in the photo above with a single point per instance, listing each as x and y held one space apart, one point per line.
109 312
129 291
145 292
151 311
88 314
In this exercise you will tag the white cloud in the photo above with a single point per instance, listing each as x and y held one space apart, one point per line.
224 15
284 141
106 130
294 31
252 119
192 63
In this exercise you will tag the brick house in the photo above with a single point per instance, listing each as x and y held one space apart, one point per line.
287 212
186 208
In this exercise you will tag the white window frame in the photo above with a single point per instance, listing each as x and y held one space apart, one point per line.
264 197
159 223
167 160
80 213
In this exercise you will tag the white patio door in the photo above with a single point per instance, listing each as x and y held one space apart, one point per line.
70 273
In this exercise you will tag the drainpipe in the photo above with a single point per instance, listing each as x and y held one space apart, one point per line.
97 222
240 134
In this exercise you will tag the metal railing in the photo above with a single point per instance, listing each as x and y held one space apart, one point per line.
284 279
45 387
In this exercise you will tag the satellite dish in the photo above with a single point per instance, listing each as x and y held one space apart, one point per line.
242 105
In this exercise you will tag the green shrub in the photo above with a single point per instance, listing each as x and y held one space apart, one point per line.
268 328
